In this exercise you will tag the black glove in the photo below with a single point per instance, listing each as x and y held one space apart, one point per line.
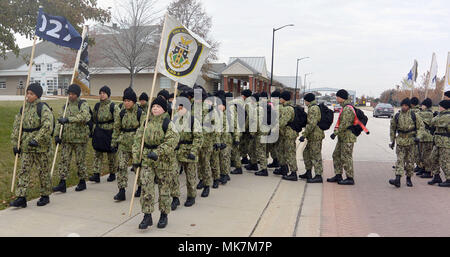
33 143
236 143
416 140
216 146
136 166
152 156
223 146
302 139
63 120
16 151
392 145
333 136
191 157
58 140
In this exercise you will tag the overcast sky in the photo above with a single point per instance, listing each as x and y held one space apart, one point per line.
367 46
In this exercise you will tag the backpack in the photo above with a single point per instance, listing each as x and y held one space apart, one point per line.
300 119
357 129
111 109
413 117
138 114
39 113
326 117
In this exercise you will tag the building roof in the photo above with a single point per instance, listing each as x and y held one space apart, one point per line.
258 64
289 81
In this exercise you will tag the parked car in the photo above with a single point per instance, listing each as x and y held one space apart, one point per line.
383 110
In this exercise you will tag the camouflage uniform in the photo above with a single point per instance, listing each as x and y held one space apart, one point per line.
74 138
39 155
426 142
227 137
343 153
237 135
406 147
123 137
215 154
163 144
312 155
209 138
273 148
259 149
288 149
105 120
441 151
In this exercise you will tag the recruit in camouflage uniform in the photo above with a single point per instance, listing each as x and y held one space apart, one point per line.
162 145
287 147
405 133
234 106
38 130
425 146
272 148
74 141
259 148
215 154
441 151
226 138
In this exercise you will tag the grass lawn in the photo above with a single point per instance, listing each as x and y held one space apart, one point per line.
8 110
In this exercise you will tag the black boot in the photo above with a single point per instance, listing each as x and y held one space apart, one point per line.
396 182
291 177
417 169
316 180
19 202
216 183
237 171
81 186
205 192
43 201
175 203
244 160
120 196
189 202
137 194
200 185
253 167
307 175
347 182
436 180
283 170
426 174
61 187
335 179
274 164
227 177
112 177
420 172
162 223
223 179
146 222
445 184
262 173
95 178
409 182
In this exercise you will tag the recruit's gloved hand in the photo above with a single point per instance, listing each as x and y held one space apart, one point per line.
33 143
416 140
392 145
223 146
152 156
16 151
191 157
333 136
63 120
58 140
302 139
136 166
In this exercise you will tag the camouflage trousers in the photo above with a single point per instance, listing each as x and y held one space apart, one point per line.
98 161
124 159
288 153
245 145
42 162
441 160
204 166
225 157
405 160
272 150
79 150
258 152
190 169
425 161
174 182
343 159
312 156
147 177
236 156
215 164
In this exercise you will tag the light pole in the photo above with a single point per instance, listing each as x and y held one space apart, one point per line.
273 48
304 82
296 79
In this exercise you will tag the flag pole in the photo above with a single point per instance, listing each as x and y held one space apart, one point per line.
75 70
30 66
155 76
429 79
447 76
174 99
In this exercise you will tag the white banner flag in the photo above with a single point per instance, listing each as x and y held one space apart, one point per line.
433 71
447 75
182 54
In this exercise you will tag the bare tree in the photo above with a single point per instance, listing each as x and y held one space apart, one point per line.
132 41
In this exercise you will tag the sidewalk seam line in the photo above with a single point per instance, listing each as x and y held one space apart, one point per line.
294 234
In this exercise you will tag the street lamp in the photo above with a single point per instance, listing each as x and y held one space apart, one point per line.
304 81
296 79
273 48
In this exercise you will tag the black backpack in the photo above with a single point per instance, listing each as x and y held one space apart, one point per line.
39 113
138 114
326 117
300 119
356 129
413 117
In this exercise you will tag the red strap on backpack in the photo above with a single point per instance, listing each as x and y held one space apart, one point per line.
356 121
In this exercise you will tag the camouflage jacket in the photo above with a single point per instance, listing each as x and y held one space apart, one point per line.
31 120
123 134
287 115
442 125
144 107
233 110
163 144
312 131
406 124
416 109
77 130
426 116
346 118
185 147
210 136
104 115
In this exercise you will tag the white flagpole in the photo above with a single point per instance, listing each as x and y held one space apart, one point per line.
429 80
447 76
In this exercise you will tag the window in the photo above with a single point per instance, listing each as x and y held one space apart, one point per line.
38 67
2 83
49 67
52 85
165 83
20 84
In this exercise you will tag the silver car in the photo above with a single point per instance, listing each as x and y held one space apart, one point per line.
383 110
